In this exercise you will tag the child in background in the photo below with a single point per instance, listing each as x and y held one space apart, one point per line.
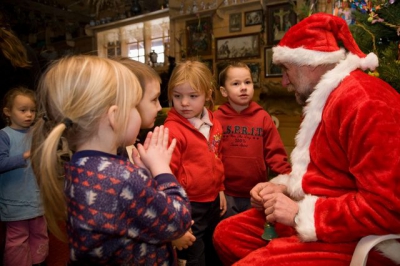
251 143
148 108
118 213
20 203
196 159
149 105
149 80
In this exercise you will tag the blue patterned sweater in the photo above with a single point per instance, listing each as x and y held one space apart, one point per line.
119 215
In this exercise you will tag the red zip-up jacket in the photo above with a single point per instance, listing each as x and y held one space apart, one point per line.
196 161
251 144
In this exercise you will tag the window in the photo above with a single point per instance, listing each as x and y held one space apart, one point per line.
136 51
137 40
160 38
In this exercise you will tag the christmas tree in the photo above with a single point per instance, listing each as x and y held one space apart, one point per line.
376 28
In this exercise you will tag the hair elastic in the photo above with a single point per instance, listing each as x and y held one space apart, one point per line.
45 118
67 122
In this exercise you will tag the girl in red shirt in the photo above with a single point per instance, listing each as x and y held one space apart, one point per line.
196 160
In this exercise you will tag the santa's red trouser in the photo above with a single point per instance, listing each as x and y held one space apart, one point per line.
238 241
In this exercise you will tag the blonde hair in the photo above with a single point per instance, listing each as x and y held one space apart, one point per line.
232 64
143 72
197 75
79 89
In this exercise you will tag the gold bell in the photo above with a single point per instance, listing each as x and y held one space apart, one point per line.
269 232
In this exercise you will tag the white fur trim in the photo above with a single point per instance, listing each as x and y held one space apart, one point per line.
390 249
369 62
305 219
301 56
300 155
280 180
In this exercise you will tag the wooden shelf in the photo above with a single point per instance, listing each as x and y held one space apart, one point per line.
220 8
48 9
132 20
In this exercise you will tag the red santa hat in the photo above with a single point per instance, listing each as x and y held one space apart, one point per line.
314 41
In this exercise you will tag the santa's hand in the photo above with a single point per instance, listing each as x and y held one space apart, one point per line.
280 208
262 189
255 198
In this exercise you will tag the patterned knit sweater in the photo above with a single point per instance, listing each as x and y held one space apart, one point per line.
119 215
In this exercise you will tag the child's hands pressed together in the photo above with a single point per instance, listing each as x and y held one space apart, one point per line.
155 153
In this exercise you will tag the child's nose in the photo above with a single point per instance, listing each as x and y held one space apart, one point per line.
185 101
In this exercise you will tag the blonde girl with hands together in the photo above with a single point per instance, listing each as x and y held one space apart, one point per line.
117 213
148 108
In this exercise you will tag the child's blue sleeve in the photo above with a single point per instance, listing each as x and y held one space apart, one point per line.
8 163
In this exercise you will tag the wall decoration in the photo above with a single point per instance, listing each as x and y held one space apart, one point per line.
235 22
253 18
280 18
271 70
208 63
198 37
220 65
255 73
234 47
254 69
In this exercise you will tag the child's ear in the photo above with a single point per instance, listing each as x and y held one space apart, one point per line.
112 115
223 91
6 111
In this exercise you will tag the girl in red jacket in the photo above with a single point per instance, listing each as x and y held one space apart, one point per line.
196 161
251 142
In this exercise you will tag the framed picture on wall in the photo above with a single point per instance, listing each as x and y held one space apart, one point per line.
208 63
234 47
198 36
271 70
235 22
255 70
252 18
280 18
255 73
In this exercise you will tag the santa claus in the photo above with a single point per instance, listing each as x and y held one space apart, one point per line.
345 179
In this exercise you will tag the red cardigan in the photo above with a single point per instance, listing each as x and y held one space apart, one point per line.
196 161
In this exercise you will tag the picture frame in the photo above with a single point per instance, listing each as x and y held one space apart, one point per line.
235 47
208 63
255 70
198 36
271 70
280 18
255 73
252 18
235 22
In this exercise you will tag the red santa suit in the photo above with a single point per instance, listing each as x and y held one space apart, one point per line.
345 166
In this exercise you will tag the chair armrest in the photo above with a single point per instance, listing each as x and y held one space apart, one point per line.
363 247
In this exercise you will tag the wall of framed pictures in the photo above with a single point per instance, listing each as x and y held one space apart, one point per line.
240 30
234 28
217 31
